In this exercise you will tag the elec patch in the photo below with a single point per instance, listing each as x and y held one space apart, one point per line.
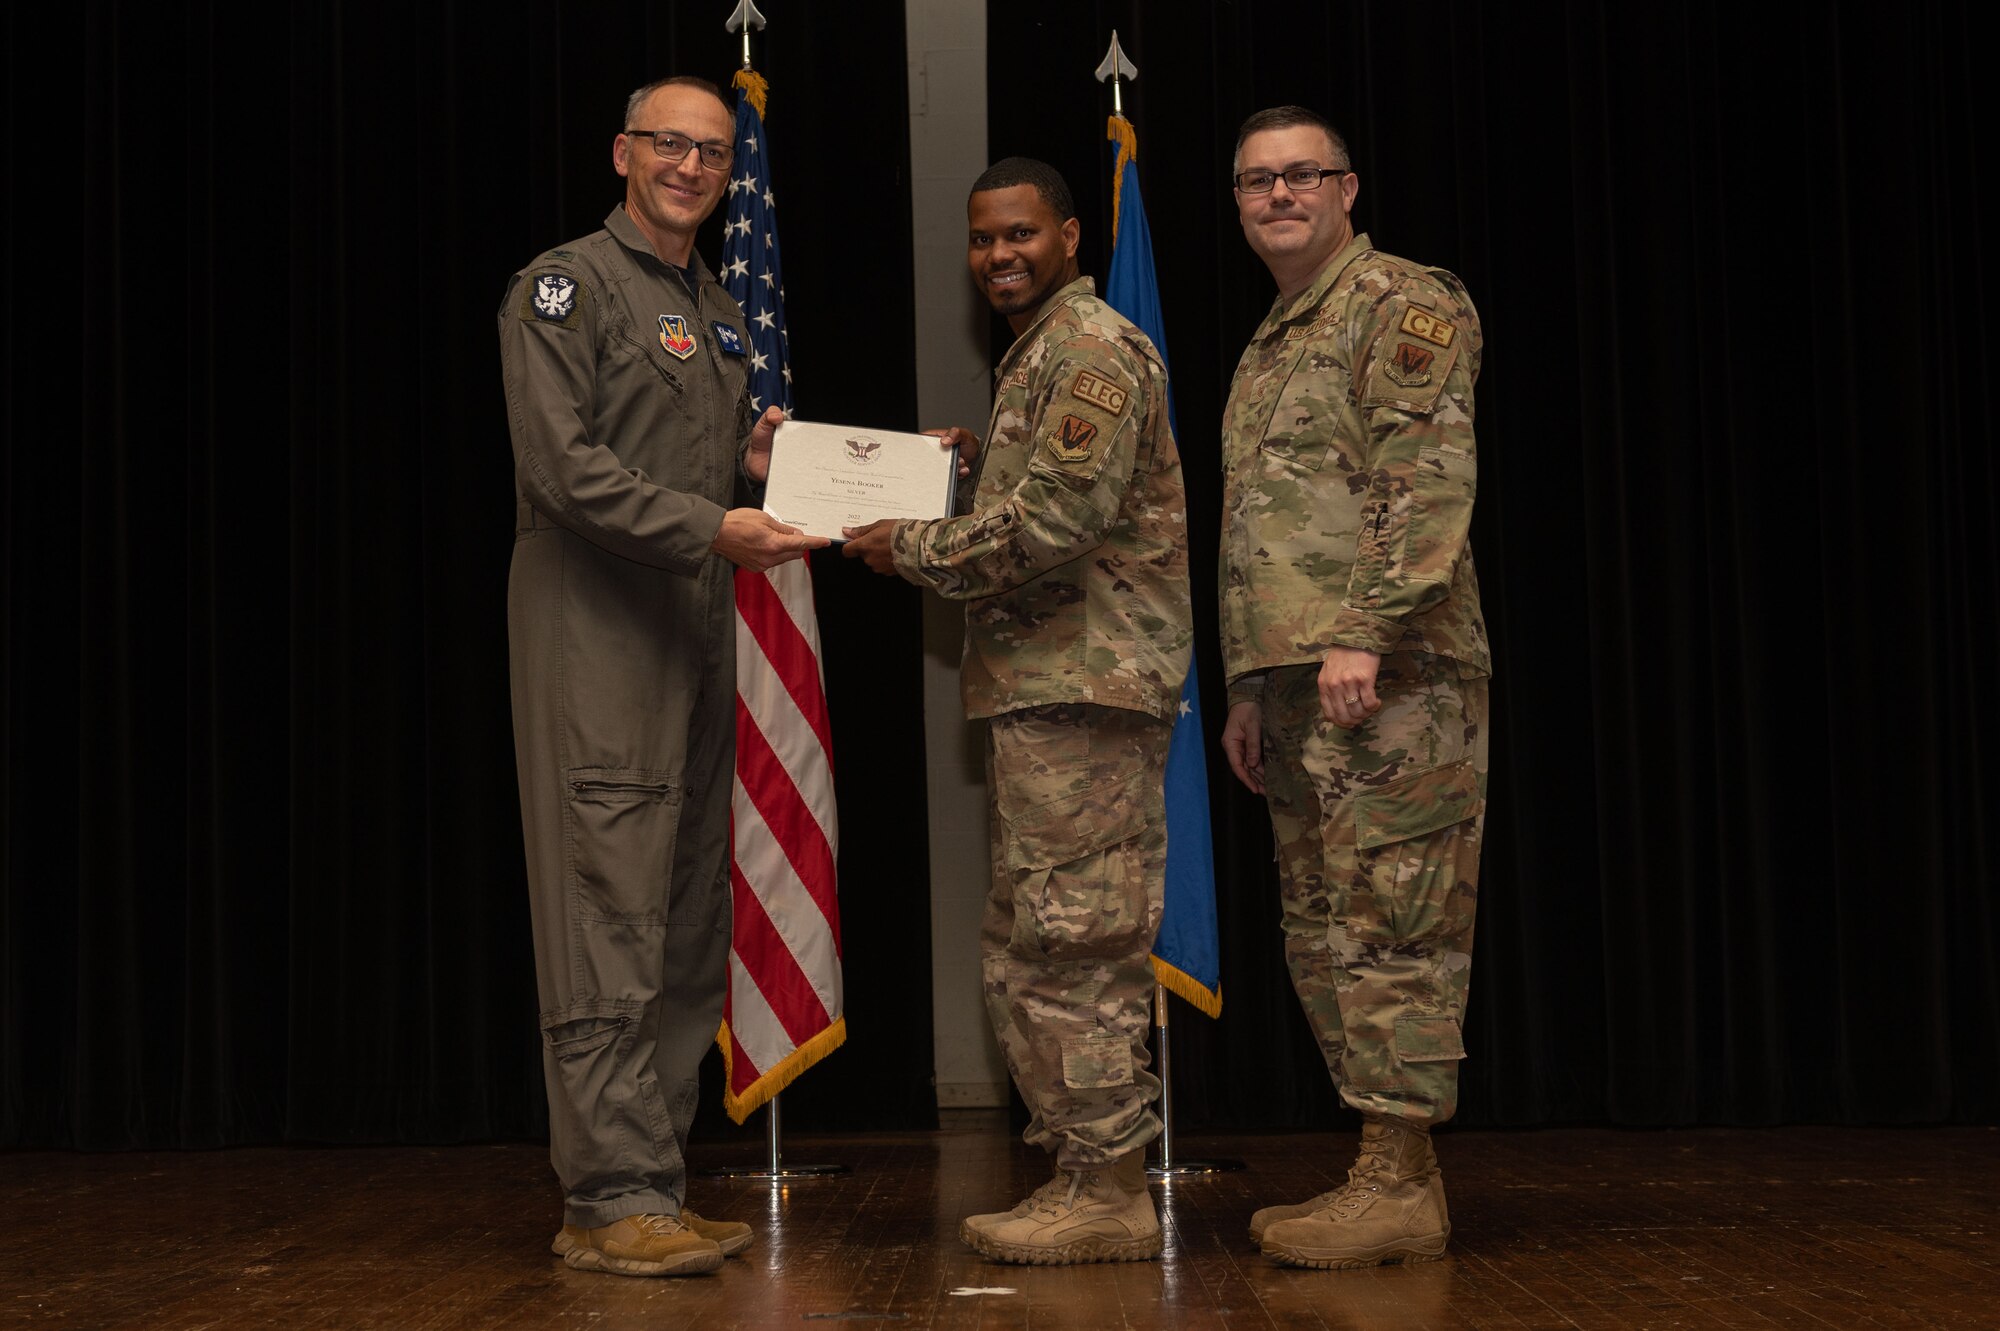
727 338
1098 392
675 337
1072 439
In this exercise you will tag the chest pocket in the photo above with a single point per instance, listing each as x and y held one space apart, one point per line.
629 354
1306 411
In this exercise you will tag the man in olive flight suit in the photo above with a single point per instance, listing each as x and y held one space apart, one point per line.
1357 663
623 361
1073 566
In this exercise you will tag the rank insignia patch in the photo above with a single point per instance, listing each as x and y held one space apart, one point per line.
1097 392
554 298
726 338
1411 365
1428 326
1072 439
674 335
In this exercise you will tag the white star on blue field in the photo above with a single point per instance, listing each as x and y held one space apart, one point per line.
750 271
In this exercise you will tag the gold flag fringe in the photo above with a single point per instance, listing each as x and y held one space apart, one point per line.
1119 130
1176 980
778 1078
759 89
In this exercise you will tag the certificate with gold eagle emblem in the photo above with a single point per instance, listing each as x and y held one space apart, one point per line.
825 477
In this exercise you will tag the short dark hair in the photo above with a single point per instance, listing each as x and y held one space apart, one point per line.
1048 182
1285 117
639 96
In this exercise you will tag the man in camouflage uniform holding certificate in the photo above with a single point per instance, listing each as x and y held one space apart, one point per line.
1357 663
1072 562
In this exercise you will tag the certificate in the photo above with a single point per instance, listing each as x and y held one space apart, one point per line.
825 477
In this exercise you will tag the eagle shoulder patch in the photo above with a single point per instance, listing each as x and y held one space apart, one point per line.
553 298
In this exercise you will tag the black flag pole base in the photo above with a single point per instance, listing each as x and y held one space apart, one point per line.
774 1169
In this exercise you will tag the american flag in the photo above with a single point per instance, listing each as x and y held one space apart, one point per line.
783 1012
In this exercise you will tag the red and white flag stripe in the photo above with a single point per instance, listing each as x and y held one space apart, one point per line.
784 1009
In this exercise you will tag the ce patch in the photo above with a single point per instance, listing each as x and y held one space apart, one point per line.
1073 439
1428 326
727 338
553 298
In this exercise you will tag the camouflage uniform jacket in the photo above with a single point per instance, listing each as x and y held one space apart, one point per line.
1348 472
1072 560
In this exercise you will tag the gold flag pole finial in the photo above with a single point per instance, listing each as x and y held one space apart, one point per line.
745 17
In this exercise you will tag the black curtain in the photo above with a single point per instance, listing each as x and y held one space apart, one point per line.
263 874
1734 530
263 868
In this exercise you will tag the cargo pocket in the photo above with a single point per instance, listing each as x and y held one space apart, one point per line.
1079 873
587 1046
1428 1040
622 823
1097 1061
1416 854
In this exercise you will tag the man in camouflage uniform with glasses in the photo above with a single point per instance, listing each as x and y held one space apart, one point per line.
630 416
1357 664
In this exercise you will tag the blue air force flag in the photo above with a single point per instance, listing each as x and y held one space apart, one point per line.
1187 957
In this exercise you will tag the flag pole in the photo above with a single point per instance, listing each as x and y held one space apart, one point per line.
743 18
1116 69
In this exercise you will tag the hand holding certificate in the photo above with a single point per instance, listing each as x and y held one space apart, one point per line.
826 477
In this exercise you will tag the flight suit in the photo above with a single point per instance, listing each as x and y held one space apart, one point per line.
628 411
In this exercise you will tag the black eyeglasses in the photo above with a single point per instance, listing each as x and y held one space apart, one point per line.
673 145
1296 178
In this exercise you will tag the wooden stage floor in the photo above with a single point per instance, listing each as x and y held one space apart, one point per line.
1801 1227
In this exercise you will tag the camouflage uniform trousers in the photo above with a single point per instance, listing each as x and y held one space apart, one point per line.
1079 846
1377 832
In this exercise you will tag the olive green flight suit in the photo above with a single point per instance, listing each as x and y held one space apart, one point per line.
627 417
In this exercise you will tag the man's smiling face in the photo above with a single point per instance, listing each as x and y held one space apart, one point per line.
673 198
1019 251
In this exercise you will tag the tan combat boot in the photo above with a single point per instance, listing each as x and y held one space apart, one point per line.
640 1245
1094 1215
1392 1209
1262 1220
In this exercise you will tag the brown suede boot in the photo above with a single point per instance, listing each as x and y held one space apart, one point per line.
639 1245
1392 1209
1093 1215
732 1236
